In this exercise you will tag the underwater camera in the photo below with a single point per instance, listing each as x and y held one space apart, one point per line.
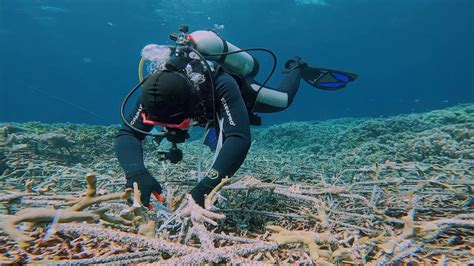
174 136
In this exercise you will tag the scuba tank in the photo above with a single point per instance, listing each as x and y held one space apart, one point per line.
213 47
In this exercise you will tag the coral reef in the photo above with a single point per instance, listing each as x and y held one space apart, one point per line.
70 214
440 136
348 191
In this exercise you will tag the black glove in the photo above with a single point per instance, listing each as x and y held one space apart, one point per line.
147 184
204 188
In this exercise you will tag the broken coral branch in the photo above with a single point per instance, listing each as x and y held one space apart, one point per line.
309 239
38 216
71 214
212 197
91 198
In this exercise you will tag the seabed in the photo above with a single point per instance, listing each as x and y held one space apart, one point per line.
347 191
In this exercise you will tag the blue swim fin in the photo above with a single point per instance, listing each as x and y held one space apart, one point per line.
327 79
321 78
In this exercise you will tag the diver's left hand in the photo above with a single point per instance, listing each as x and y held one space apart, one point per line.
199 192
203 188
190 209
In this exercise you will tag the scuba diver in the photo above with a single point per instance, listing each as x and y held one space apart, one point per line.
207 81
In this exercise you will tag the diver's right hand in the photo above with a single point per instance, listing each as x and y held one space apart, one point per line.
147 184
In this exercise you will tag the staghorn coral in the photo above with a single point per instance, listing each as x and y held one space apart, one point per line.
311 240
6 139
56 141
334 228
3 164
70 214
212 197
376 195
440 134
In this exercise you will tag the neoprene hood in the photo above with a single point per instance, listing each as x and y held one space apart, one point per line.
167 97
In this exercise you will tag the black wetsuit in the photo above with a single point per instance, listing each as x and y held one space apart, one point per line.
231 108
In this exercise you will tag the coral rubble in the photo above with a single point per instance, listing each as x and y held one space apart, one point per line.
348 191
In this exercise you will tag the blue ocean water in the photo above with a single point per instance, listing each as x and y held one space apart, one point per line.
76 60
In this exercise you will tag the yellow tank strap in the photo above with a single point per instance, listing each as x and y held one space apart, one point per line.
140 69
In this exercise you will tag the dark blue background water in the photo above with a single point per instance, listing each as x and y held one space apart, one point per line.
72 60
